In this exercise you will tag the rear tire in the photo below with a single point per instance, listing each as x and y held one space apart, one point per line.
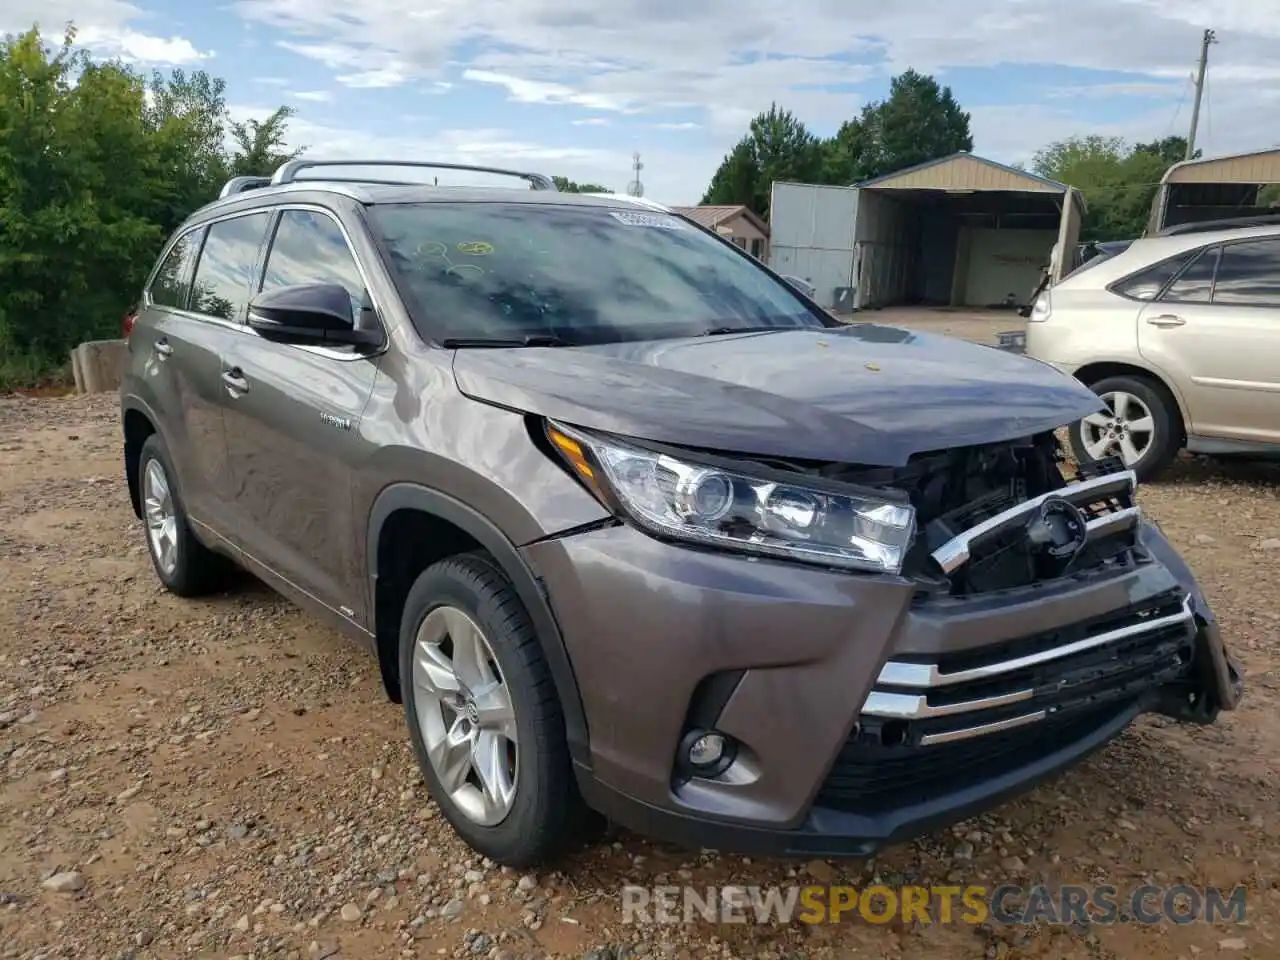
1147 424
184 565
512 799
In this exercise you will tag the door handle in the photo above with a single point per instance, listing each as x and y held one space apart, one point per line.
163 348
1166 320
235 382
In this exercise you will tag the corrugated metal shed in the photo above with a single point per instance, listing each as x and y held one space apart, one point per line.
964 171
1262 166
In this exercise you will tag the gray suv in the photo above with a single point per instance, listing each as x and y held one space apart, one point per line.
632 526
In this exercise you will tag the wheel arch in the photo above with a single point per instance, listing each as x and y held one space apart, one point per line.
138 423
412 498
1092 373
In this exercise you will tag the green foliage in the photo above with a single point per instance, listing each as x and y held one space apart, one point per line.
565 185
920 121
97 166
1119 182
778 146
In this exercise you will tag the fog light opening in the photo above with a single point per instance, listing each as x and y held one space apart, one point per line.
706 753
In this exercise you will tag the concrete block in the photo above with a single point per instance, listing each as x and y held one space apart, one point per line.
98 365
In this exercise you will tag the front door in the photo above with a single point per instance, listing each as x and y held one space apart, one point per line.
293 428
1216 332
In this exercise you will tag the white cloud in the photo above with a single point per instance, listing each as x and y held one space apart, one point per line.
710 55
312 96
670 177
722 61
591 122
104 27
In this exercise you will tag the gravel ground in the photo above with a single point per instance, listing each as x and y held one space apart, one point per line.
225 779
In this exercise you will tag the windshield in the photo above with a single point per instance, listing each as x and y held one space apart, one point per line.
575 273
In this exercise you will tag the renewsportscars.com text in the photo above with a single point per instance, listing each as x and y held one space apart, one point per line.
1005 904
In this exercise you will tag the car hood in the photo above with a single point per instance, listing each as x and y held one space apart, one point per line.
863 393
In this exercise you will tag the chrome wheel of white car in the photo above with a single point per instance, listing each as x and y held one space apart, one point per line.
465 716
1126 430
1140 426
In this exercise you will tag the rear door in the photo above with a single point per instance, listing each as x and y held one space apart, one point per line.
1216 331
293 426
180 344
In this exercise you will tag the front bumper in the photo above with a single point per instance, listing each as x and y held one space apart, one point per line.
791 662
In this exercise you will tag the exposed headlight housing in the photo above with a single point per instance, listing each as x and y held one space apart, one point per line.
699 503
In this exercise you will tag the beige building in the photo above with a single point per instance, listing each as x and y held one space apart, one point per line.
1213 188
958 231
734 223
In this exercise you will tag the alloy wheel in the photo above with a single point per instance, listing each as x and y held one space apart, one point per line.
465 715
161 516
1126 429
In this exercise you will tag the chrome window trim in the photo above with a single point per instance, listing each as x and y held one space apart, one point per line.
242 328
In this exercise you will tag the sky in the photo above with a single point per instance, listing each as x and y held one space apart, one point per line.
575 87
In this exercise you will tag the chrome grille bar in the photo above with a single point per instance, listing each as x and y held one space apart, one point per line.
927 675
912 706
965 733
955 552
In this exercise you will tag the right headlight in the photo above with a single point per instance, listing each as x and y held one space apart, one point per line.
672 497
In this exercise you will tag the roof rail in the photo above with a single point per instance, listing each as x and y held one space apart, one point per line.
241 184
288 172
1228 223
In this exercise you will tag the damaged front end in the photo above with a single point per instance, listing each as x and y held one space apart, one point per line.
1011 527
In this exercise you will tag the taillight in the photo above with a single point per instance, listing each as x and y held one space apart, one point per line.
126 325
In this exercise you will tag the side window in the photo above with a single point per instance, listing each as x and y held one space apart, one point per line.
1249 274
224 273
310 248
1195 284
173 279
1148 284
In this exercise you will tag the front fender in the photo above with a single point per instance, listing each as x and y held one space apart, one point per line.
413 496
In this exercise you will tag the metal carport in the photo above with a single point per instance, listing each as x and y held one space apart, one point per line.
1215 188
961 231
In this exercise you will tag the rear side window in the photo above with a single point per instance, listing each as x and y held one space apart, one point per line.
1195 284
310 248
1249 274
224 274
173 280
1148 284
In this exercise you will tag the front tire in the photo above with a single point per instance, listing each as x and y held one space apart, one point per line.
1141 426
484 719
184 565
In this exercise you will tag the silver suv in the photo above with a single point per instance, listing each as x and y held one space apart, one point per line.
1180 336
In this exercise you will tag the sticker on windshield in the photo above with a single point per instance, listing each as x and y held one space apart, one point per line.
659 220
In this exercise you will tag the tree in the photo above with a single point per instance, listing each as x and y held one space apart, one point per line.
919 122
260 144
1119 182
778 146
97 167
1170 149
565 185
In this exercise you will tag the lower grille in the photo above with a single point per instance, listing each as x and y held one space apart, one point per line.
933 724
871 777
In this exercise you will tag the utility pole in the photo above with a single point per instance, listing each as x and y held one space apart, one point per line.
1209 38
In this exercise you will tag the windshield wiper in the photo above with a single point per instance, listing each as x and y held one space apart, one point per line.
721 331
530 340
